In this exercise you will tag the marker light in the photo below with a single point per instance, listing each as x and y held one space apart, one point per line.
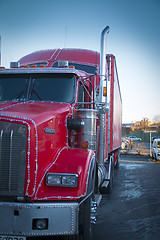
33 66
42 66
85 144
104 91
26 66
62 180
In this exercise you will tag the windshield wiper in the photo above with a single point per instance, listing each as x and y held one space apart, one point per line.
18 95
36 93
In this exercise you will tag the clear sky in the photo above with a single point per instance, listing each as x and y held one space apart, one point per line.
134 38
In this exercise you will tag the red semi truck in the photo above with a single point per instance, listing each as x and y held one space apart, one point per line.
60 136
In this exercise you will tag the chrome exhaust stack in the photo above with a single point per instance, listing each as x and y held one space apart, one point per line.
103 62
102 101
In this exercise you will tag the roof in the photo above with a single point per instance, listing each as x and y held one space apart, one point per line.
86 57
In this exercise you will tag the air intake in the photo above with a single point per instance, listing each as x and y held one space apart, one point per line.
13 139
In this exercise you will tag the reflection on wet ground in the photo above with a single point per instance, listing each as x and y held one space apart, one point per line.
132 211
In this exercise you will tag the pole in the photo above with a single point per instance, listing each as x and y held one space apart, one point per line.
103 60
150 143
101 105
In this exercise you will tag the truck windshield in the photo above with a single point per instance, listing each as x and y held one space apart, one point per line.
12 87
37 87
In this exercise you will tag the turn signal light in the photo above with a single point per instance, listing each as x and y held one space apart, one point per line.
104 91
85 144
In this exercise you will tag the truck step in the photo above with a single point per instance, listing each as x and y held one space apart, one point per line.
98 198
104 187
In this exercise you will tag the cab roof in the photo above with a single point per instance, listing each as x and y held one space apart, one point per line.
50 56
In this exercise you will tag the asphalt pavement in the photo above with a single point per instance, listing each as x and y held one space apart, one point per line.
132 211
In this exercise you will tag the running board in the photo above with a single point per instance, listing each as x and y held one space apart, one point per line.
98 198
104 187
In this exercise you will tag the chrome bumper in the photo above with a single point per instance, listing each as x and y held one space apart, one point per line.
17 218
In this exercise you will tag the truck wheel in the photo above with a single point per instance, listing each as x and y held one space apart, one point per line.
110 185
85 225
117 163
156 157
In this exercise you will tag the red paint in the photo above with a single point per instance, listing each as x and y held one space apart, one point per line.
85 57
53 152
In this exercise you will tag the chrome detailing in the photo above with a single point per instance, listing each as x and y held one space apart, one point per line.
88 133
101 174
13 141
49 131
14 64
93 216
63 63
62 218
62 179
103 62
24 121
102 133
103 108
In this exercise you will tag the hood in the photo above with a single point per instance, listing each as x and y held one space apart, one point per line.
39 112
47 133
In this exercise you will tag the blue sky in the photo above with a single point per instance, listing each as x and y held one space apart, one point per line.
134 38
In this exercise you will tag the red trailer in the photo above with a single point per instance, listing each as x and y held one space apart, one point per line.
60 137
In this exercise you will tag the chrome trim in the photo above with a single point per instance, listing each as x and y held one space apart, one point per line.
62 218
103 61
13 144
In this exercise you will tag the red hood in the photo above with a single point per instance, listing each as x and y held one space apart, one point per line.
39 117
37 111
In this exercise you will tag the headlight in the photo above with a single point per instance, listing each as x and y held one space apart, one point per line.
62 180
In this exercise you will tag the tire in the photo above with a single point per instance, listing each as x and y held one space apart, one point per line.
117 163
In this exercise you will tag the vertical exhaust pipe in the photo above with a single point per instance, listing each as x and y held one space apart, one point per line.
102 99
103 60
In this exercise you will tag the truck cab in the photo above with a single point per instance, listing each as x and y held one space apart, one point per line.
60 136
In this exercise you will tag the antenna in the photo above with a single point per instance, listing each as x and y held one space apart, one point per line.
65 40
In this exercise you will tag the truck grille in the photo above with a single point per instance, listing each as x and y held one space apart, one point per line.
13 141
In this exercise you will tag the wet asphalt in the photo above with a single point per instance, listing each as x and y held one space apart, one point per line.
132 211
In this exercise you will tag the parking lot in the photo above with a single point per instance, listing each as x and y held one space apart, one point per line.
132 211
